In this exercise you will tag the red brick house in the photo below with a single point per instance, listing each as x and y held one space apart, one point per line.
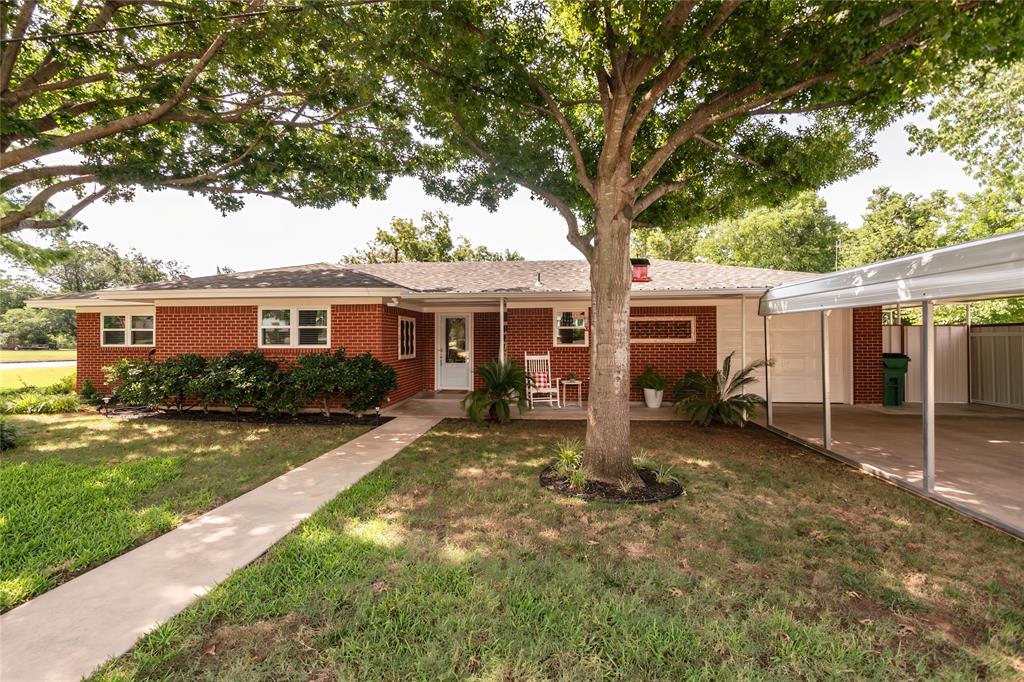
435 322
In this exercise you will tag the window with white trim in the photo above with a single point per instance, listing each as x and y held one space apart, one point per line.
126 329
406 338
571 328
294 327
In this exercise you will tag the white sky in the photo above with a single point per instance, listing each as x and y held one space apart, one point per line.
271 233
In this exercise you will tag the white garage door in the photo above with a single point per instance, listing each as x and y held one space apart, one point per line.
796 348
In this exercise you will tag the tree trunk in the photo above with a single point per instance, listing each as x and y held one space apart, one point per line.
607 456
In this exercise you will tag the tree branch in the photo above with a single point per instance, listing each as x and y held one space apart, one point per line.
570 137
60 220
575 237
23 177
38 203
122 124
672 73
11 50
659 191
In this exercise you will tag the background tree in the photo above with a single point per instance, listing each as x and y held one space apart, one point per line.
219 98
93 267
665 113
798 235
430 241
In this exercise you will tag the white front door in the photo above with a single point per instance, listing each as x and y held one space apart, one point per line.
454 351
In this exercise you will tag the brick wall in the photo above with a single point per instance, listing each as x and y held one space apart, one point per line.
92 357
485 342
530 330
217 330
867 356
414 374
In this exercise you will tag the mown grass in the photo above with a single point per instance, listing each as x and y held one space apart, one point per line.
81 489
13 378
450 562
37 355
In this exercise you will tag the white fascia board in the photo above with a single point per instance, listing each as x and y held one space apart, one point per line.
80 303
987 268
247 293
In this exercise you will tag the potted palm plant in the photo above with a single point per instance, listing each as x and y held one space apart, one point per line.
504 385
653 384
719 396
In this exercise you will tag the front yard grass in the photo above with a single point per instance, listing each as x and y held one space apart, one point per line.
450 562
37 355
81 488
12 378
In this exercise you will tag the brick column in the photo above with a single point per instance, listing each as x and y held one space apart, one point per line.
867 356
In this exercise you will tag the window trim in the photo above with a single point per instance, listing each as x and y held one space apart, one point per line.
668 340
556 314
401 319
293 326
128 329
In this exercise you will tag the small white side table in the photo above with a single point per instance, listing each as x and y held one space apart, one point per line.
568 383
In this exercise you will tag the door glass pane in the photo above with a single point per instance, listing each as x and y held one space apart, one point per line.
455 340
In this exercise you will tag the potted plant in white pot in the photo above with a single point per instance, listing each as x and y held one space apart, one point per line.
653 384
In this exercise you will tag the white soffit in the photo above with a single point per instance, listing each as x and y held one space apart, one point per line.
986 268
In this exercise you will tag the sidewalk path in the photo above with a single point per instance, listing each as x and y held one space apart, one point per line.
71 630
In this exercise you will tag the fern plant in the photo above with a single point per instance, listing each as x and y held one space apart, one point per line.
719 396
504 385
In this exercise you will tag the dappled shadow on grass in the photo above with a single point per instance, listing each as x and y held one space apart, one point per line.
449 561
81 489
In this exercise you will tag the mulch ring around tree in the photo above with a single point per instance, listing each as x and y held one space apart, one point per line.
303 418
651 491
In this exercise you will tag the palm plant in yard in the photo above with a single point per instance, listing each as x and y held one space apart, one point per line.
704 397
504 384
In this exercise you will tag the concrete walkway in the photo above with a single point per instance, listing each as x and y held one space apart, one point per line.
69 631
34 364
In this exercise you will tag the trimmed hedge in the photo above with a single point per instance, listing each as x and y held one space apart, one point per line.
249 379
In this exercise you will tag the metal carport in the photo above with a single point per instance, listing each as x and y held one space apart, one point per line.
984 269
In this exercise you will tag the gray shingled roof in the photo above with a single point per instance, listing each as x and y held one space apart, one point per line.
554 276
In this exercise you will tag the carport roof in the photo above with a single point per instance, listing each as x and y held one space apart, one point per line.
986 268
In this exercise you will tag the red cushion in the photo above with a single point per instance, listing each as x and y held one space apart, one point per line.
540 379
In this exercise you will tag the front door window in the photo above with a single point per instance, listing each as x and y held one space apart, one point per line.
455 340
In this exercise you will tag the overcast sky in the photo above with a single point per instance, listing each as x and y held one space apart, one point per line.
272 233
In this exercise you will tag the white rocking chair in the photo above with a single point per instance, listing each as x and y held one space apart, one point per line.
541 388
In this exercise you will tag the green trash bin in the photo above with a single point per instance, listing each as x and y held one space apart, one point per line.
894 372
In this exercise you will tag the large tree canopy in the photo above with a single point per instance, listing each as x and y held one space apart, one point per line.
220 98
664 112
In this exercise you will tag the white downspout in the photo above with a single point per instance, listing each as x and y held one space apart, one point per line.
501 328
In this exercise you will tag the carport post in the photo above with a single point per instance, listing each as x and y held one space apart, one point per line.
928 394
826 405
767 371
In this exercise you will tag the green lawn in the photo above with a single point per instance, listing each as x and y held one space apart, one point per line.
32 376
450 562
81 488
37 355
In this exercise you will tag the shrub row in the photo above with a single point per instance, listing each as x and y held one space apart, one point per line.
248 379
